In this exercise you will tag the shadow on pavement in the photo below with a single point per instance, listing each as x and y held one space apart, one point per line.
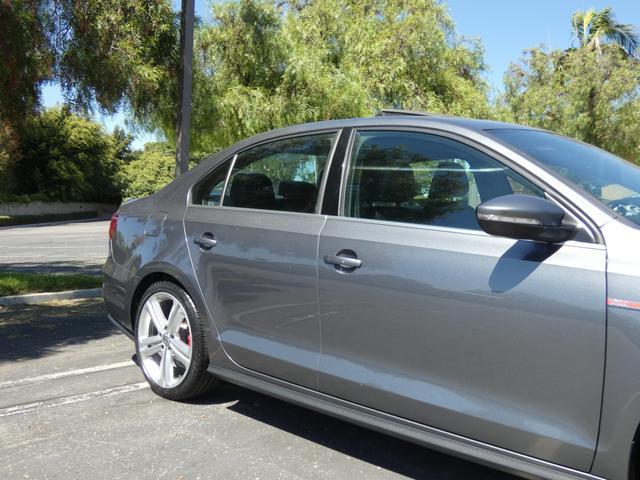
381 450
64 266
33 331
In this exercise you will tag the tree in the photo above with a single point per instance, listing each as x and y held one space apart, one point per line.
148 172
261 65
591 96
105 54
594 28
67 157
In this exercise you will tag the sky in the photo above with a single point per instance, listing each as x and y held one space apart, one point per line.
505 27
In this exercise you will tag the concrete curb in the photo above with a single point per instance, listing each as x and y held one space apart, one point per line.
34 298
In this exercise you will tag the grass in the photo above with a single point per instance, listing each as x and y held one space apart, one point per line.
22 283
6 221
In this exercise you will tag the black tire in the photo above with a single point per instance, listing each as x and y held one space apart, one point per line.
197 380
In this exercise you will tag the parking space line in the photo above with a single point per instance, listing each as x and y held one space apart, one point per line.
57 402
68 373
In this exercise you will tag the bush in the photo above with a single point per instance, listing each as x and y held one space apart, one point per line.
68 158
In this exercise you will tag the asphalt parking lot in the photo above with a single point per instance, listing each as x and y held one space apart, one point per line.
74 405
69 247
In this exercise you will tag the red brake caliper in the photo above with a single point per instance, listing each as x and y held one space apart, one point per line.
189 339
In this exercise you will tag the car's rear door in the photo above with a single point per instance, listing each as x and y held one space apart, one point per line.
252 234
428 318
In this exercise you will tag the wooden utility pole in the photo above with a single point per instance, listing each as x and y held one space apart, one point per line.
183 122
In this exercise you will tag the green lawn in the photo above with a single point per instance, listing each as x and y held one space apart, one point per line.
21 283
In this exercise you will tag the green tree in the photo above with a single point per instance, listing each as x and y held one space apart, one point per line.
261 65
109 54
68 158
591 96
149 171
593 29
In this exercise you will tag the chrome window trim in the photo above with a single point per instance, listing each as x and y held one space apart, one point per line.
226 180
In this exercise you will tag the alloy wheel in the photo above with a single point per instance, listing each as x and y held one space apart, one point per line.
164 340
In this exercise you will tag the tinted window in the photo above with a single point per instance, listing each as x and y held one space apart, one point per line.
210 189
610 179
283 175
426 179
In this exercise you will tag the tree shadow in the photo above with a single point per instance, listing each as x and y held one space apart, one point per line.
34 331
384 451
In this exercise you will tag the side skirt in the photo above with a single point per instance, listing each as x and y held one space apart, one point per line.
450 443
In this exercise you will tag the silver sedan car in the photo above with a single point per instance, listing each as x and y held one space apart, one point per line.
469 285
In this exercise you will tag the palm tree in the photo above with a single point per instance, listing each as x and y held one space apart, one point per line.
593 29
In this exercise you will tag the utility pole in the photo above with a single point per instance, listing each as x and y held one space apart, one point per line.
185 79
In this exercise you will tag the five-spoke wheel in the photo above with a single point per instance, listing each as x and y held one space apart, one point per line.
170 343
164 339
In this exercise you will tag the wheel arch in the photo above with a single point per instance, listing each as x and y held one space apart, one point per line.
157 272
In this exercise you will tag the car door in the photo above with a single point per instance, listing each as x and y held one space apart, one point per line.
428 318
252 233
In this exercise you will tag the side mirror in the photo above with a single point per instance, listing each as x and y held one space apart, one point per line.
524 217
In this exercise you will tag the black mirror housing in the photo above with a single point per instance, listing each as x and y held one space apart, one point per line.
524 217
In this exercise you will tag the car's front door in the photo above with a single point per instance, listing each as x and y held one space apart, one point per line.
253 238
428 318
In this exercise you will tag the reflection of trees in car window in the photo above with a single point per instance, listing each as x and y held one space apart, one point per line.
284 167
282 175
422 178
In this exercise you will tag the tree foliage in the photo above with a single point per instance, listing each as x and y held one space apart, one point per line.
261 65
594 28
67 158
591 96
148 172
109 53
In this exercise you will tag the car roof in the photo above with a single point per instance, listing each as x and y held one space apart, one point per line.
401 118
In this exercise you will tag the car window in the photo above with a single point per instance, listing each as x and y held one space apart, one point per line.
613 181
283 175
210 189
425 179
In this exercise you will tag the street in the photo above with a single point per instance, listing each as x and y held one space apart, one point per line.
74 405
71 247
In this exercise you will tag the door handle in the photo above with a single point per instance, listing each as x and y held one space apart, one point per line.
342 261
206 241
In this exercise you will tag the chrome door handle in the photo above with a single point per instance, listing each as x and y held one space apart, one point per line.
344 262
206 241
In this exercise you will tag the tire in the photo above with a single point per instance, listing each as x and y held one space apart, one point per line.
169 333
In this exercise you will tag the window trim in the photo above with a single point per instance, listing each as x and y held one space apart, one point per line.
552 194
226 179
232 157
220 165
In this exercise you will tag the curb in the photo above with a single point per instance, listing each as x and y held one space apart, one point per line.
34 298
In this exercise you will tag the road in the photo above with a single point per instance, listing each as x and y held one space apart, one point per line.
72 247
74 405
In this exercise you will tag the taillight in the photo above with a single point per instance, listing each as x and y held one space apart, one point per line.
113 226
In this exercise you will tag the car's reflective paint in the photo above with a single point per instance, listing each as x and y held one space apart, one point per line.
500 350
